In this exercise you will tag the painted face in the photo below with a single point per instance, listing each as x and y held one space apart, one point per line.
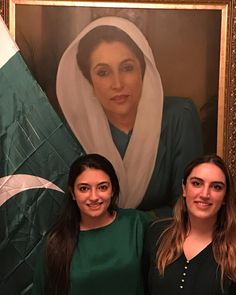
116 77
204 191
92 192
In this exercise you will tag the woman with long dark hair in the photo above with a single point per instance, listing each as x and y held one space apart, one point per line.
95 248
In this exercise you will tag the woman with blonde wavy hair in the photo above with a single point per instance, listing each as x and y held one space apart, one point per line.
196 251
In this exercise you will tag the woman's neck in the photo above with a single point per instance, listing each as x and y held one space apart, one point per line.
89 222
122 122
201 227
199 236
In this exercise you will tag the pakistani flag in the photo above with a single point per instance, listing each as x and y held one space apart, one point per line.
36 150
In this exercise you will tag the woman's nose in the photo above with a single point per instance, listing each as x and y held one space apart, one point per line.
93 194
206 191
117 82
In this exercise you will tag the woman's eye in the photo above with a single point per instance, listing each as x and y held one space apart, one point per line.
83 189
217 187
196 183
127 67
102 72
103 187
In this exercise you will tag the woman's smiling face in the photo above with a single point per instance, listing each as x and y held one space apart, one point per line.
205 191
117 79
93 191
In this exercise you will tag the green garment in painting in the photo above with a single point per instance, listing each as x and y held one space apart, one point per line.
107 260
180 142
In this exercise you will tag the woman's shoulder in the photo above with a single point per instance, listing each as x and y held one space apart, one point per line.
180 113
134 214
177 104
153 234
131 212
156 228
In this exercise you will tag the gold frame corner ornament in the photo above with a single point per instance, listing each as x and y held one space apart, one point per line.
4 10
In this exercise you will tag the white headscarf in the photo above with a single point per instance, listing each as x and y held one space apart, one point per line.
89 123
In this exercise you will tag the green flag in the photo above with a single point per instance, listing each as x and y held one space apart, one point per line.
36 150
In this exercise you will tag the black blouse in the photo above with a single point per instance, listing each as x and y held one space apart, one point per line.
198 276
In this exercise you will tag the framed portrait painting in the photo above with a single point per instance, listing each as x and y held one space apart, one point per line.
193 44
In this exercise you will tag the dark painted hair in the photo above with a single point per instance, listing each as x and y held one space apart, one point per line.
65 234
104 34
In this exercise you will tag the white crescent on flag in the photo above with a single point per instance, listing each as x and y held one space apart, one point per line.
13 184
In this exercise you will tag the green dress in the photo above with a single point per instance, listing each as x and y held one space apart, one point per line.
107 260
180 142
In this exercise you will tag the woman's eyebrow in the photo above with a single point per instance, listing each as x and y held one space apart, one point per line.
100 65
219 182
200 179
82 183
128 59
104 182
196 178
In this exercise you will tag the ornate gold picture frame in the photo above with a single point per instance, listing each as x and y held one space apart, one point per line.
208 26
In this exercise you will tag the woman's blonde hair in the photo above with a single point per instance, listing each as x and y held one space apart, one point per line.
170 243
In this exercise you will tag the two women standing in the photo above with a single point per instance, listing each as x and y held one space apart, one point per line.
96 247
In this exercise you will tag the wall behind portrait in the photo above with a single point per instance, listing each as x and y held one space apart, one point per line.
185 44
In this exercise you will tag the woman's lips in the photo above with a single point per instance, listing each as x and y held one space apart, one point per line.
202 204
120 98
95 205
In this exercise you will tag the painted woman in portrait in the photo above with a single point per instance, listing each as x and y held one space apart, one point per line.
111 95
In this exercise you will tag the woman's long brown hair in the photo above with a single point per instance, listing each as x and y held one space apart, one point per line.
64 237
170 243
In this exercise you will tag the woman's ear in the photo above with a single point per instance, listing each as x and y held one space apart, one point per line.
72 193
183 191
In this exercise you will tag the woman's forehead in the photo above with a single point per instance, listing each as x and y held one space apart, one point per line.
208 171
112 48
